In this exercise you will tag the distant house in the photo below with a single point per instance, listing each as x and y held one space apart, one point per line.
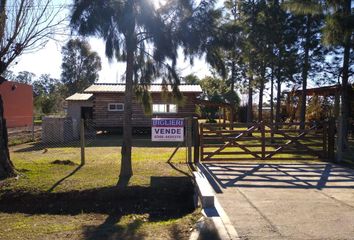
18 103
80 105
104 104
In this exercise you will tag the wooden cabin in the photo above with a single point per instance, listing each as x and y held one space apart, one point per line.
108 105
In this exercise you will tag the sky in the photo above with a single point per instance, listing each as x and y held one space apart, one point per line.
48 60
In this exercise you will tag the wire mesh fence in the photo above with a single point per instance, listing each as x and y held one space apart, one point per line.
63 140
74 155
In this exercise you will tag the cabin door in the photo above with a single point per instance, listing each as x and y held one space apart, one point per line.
86 113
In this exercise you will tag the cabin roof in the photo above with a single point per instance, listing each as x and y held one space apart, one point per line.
321 91
80 97
120 88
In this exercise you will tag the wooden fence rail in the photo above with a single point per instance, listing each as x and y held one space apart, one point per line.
221 141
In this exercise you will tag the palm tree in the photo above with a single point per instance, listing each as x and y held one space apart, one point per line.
129 28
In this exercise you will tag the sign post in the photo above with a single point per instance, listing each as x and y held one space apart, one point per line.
167 130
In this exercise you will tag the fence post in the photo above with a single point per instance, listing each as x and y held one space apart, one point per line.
189 139
331 141
231 118
339 152
33 138
272 129
201 142
196 139
324 146
263 139
82 141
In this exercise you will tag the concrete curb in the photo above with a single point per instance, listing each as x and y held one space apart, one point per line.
212 211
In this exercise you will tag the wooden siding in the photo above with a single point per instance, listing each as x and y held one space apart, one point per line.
108 119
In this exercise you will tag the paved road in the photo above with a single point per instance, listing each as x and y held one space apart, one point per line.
286 201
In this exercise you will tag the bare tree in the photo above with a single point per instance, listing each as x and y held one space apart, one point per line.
25 26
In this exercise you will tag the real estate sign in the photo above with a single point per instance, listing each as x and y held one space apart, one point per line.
167 130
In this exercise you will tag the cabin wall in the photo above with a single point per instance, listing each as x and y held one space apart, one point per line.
108 119
74 108
74 112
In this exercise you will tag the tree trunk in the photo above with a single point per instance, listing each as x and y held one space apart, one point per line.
305 69
277 108
345 96
232 112
126 164
260 100
260 103
272 97
2 18
6 167
126 170
272 103
250 97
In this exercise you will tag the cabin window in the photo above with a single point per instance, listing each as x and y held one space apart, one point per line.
115 107
164 108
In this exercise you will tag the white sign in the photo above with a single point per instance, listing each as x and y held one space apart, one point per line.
167 129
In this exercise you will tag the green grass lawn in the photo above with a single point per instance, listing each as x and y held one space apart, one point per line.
58 201
69 201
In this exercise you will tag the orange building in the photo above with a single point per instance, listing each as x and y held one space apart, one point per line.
18 103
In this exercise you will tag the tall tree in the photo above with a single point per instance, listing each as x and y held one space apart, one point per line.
128 28
9 75
80 66
48 94
217 90
338 31
254 46
309 41
23 28
284 50
25 77
224 52
191 79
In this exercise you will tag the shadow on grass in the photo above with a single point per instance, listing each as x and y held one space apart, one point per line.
123 181
64 178
164 199
173 166
110 230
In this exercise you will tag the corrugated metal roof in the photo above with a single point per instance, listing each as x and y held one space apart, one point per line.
79 97
113 88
